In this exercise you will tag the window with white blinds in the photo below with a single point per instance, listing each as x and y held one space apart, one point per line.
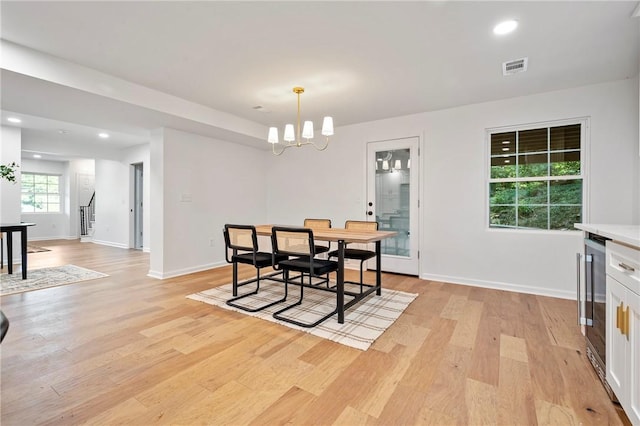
536 177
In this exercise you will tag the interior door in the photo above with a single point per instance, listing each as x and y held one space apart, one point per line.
392 199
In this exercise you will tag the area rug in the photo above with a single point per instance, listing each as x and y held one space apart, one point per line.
44 278
36 249
363 323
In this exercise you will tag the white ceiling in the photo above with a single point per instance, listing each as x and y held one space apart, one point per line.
359 61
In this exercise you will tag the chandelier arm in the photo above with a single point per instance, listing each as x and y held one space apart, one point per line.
273 146
319 148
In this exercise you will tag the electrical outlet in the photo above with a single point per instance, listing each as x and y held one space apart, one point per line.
212 242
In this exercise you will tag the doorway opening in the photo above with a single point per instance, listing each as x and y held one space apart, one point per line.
137 210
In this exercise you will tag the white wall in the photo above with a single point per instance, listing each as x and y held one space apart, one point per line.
456 245
205 183
10 192
112 203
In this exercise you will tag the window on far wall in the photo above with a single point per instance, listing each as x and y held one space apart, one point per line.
40 193
536 176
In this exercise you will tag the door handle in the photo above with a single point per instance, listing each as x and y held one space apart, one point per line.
618 317
625 322
578 287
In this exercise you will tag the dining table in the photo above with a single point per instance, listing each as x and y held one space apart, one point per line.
343 237
9 229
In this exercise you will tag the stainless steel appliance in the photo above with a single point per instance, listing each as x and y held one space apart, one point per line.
595 296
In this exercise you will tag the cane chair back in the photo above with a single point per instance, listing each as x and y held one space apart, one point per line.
319 224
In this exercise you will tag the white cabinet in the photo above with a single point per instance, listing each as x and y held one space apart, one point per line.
623 327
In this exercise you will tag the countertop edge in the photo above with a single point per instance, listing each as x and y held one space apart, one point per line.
627 234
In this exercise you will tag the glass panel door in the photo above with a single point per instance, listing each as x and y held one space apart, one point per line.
393 201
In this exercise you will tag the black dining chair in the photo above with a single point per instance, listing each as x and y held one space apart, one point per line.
357 254
299 245
242 242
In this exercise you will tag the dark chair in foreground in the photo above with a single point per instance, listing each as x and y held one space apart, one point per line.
242 241
358 254
299 242
4 326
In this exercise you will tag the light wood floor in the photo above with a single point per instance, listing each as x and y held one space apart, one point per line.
129 349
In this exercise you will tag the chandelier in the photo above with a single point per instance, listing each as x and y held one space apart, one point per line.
295 138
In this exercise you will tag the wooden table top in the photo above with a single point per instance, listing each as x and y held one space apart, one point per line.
336 234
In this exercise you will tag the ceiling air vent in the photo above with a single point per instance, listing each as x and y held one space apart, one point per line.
515 66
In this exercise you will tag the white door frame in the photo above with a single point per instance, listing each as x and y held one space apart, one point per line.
136 237
400 264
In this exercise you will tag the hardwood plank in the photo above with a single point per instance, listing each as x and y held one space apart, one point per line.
516 404
549 414
513 348
481 400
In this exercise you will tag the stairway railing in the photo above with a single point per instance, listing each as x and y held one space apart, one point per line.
87 214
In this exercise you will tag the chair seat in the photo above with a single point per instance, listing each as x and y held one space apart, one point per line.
320 266
321 249
262 259
358 254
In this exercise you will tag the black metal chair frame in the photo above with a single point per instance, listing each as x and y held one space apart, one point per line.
316 268
253 257
357 254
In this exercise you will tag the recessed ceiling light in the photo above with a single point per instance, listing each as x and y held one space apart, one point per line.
14 120
505 27
63 131
37 156
103 135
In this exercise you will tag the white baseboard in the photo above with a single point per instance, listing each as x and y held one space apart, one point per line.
110 244
56 237
540 291
185 271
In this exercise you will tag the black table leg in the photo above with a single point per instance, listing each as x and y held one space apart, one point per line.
378 269
340 283
10 252
23 248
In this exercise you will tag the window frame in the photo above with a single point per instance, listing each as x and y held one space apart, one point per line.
584 123
60 192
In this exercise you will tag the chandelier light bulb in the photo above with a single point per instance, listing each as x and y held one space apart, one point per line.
327 126
307 130
273 135
289 134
